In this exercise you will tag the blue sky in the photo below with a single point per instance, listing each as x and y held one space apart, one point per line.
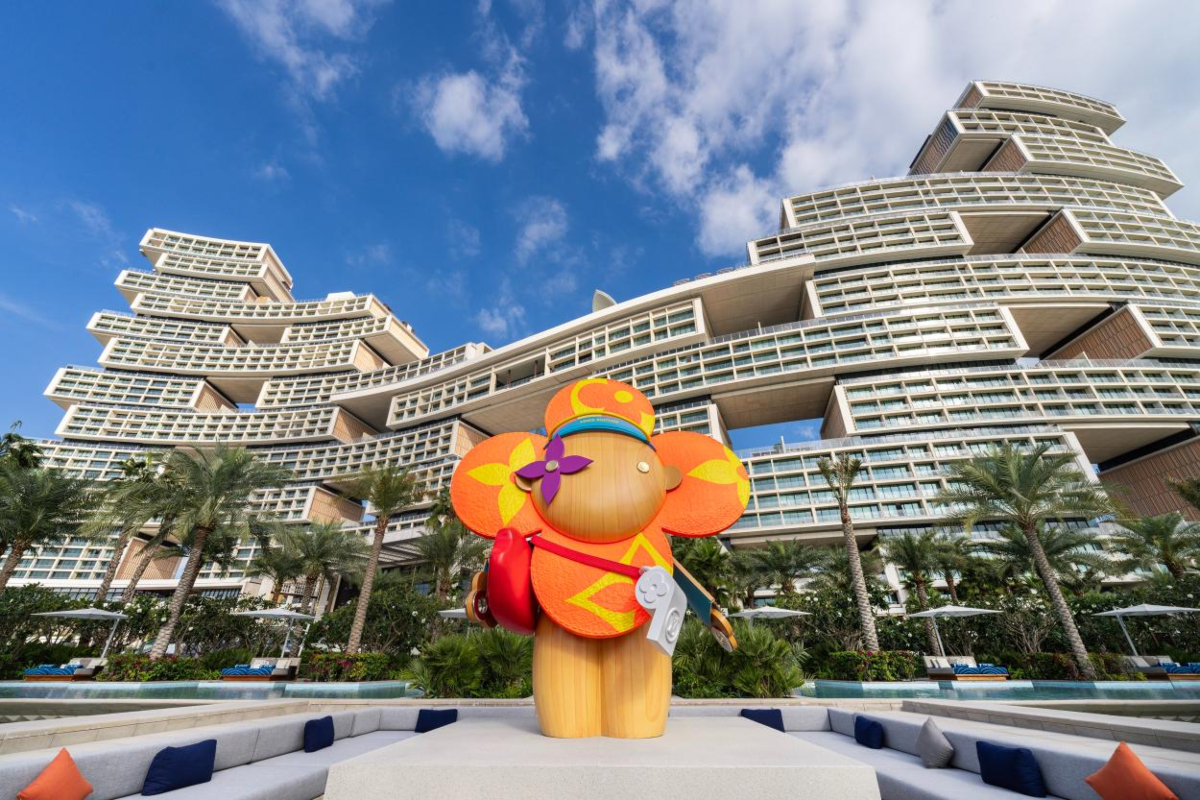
483 167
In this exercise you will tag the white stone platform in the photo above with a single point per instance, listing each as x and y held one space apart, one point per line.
713 758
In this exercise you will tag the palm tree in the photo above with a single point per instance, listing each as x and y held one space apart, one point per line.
274 562
322 552
1163 540
127 504
746 575
783 563
840 473
389 490
15 447
38 505
917 555
450 551
834 576
710 564
1025 490
1188 489
955 555
211 506
1068 551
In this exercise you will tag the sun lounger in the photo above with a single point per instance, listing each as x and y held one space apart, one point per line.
77 669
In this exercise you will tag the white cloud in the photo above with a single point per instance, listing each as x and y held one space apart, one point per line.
96 223
373 255
296 34
543 223
271 172
467 112
719 103
478 112
463 238
505 319
23 216
24 311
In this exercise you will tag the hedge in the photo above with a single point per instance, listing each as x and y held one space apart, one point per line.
328 667
873 665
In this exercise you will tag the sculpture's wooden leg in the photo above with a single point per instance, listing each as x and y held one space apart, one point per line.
566 682
637 687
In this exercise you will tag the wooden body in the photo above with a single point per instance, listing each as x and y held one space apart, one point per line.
599 687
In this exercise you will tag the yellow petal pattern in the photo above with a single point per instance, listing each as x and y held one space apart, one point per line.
511 499
724 472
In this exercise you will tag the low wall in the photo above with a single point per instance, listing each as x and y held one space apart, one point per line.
153 716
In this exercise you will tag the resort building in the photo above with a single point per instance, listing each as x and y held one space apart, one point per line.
1024 282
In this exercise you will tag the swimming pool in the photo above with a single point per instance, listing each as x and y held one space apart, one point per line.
205 690
1005 690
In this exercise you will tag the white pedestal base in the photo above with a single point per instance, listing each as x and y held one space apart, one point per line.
714 758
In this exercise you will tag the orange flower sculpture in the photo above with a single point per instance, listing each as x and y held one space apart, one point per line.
581 557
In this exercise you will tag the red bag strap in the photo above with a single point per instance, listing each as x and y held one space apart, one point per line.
562 551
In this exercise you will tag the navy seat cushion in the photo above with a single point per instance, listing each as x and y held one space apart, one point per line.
868 732
771 717
318 734
429 719
1012 768
177 767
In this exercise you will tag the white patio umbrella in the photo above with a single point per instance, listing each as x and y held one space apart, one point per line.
769 612
93 614
453 613
1143 610
278 613
950 611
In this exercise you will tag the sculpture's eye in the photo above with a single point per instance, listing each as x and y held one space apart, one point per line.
643 467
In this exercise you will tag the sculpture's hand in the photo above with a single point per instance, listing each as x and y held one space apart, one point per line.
477 604
720 628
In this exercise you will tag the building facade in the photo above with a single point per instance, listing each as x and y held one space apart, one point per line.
1025 282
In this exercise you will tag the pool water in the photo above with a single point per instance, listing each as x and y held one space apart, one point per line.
205 690
1006 690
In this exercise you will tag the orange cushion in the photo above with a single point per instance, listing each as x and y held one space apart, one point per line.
60 780
1125 777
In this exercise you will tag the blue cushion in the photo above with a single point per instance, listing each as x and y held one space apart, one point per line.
868 732
429 719
318 734
771 717
1012 768
177 767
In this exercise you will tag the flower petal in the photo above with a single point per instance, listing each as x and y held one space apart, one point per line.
534 470
550 486
569 465
554 450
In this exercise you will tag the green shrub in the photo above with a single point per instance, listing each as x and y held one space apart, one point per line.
493 663
354 667
1061 666
763 665
506 663
219 659
868 665
139 668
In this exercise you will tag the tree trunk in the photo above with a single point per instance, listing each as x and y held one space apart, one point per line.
951 587
1173 567
315 600
866 614
110 572
144 559
10 563
186 581
1050 581
930 634
364 595
310 584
